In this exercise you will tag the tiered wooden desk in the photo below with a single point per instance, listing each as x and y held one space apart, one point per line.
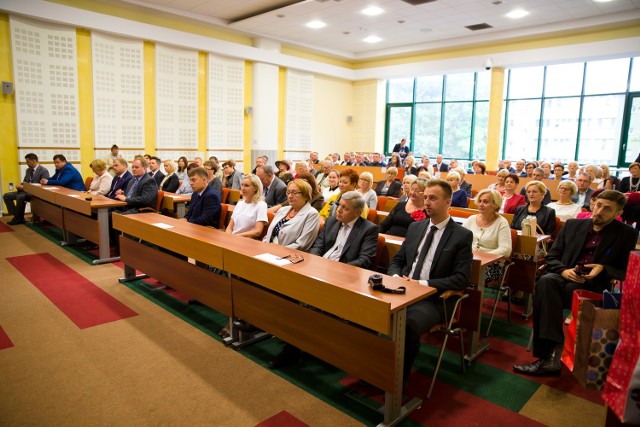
321 306
76 216
175 203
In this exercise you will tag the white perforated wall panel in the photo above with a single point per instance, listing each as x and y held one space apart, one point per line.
225 98
298 111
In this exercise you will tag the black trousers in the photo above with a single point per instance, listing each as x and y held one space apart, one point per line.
421 317
16 209
551 295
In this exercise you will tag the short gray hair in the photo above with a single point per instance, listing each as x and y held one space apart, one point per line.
267 169
356 200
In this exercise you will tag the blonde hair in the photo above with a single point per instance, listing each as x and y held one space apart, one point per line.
98 165
303 186
392 170
573 188
257 185
494 196
453 175
172 166
367 176
541 187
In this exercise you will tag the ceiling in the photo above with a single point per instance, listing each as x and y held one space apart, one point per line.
402 27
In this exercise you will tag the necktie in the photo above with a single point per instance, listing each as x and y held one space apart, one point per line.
423 252
115 187
133 186
266 191
31 177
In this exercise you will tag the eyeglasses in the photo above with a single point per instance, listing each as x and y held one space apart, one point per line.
294 193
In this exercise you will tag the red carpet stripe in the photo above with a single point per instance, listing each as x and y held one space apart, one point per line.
4 227
81 301
448 405
5 341
282 419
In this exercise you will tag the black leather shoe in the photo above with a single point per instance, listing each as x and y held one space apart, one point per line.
540 368
16 221
288 356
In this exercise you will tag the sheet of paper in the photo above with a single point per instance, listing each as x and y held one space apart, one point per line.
162 225
395 242
273 259
74 195
51 188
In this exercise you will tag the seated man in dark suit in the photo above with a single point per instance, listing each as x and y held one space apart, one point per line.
204 208
401 148
141 192
154 170
275 191
345 237
437 253
34 174
587 254
121 177
583 195
66 175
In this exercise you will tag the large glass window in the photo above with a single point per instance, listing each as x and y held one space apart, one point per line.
568 111
445 114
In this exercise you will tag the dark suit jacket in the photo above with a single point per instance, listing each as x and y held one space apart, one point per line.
466 186
618 240
587 199
216 185
121 184
277 192
144 195
171 184
204 209
444 167
403 151
394 189
451 266
362 243
39 173
159 176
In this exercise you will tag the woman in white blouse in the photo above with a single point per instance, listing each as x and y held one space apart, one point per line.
295 226
101 183
365 182
250 214
491 232
564 207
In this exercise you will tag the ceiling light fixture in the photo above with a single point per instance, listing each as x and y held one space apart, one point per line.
372 39
372 11
517 13
316 24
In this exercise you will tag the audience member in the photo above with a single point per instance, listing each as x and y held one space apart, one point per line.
141 191
333 188
232 178
121 178
16 201
389 187
587 254
520 168
407 180
212 179
499 185
406 213
170 182
101 183
260 161
365 182
402 149
479 168
283 167
113 155
630 186
572 167
564 207
545 216
529 168
546 167
409 166
538 175
183 174
558 172
589 213
582 196
154 170
609 182
459 197
347 182
250 214
204 208
440 258
511 200
440 165
275 191
66 175
396 161
464 185
317 200
323 177
377 161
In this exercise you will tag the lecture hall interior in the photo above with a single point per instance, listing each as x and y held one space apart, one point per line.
95 333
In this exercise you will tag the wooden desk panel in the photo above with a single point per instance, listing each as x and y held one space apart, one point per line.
198 283
175 203
40 192
194 241
47 211
363 354
82 225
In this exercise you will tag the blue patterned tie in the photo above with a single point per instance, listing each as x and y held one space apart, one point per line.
130 192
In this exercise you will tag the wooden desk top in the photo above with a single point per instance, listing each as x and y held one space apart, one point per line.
71 199
170 199
328 285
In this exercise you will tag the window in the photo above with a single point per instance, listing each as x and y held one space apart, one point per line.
448 114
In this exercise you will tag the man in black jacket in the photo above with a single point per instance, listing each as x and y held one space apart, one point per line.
587 254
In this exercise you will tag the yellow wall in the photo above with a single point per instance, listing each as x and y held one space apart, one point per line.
332 103
248 100
8 130
85 101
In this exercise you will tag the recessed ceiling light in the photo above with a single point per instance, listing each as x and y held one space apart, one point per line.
316 24
517 13
372 39
372 11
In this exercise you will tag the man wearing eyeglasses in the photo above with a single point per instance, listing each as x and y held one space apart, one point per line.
275 191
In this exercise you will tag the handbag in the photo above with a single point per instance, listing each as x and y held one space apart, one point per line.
569 350
596 341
